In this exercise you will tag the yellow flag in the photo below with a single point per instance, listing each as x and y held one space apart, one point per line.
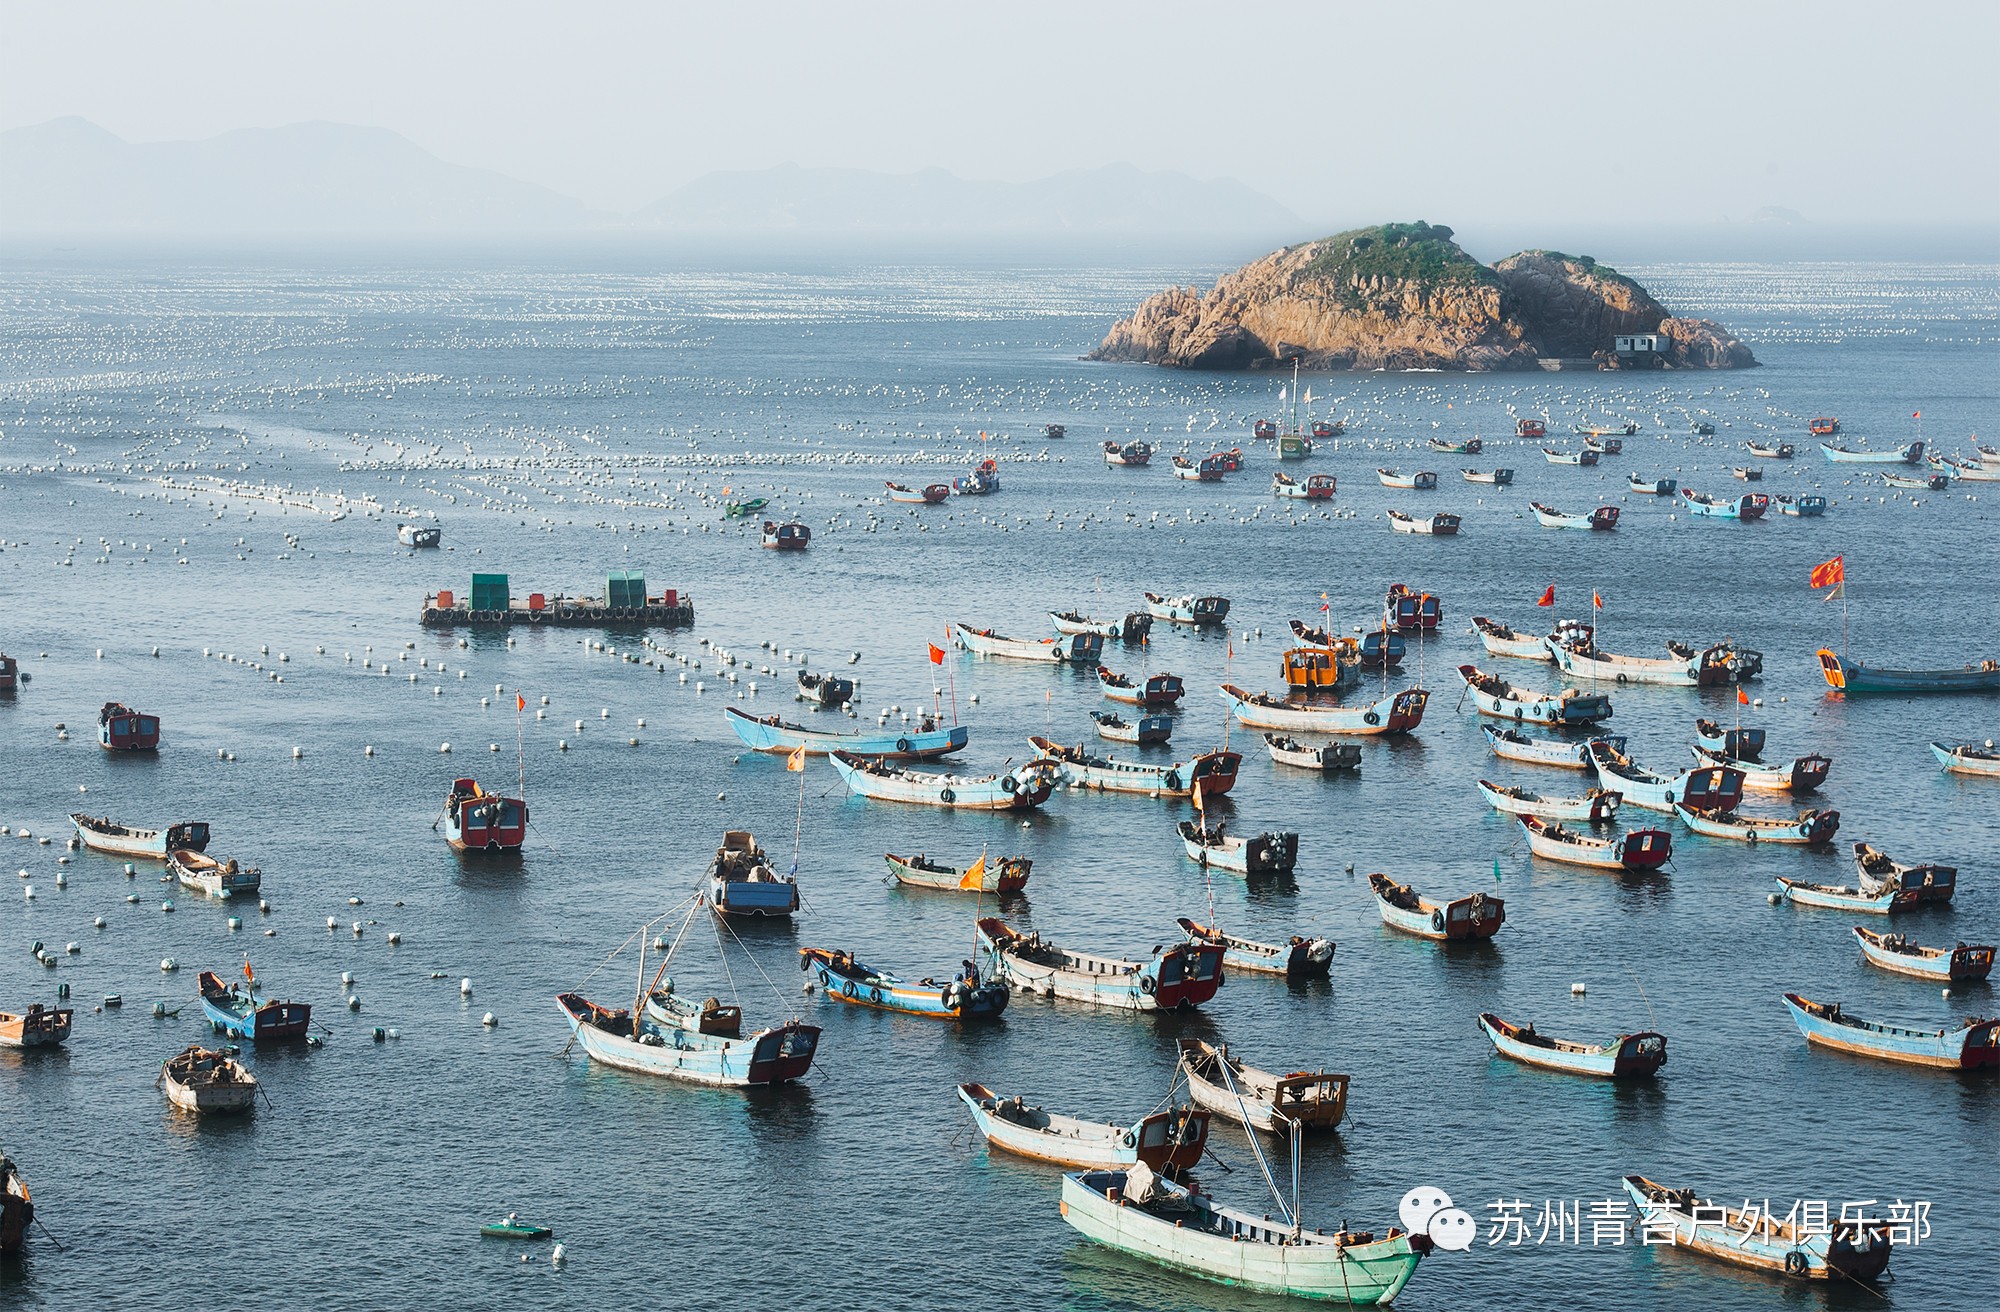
975 874
797 760
1197 799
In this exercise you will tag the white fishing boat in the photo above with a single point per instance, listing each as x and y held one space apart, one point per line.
1498 477
1020 788
1300 958
1329 756
1570 708
1133 628
224 879
1077 649
1583 457
206 1082
1809 829
1421 481
1574 648
1261 1099
1399 713
1440 525
1175 976
420 535
1600 519
1968 758
1173 1139
1147 729
1801 774
103 834
1213 773
1501 640
1274 852
1653 487
1639 850
1705 788
1596 806
1562 753
1192 611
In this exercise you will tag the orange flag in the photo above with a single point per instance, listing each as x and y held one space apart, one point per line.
975 874
1596 601
796 762
1742 698
520 702
246 971
1548 597
1828 573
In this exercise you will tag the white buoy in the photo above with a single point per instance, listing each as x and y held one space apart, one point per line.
1576 990
331 923
465 988
298 752
488 1021
368 751
395 938
353 1004
168 965
444 749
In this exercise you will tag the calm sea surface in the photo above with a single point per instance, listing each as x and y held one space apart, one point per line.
205 462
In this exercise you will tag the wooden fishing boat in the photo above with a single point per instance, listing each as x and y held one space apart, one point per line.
1376 648
1471 446
932 495
1157 690
1474 916
1704 788
10 682
1264 430
1176 976
122 729
1601 519
1149 1217
234 1009
1701 428
1330 756
1195 612
1273 852
1326 668
1499 477
1627 429
1422 481
37 1027
420 535
1301 958
1847 675
1531 428
1747 473
206 1082
1751 505
963 997
1413 611
1910 455
1930 883
1638 849
1804 507
680 1040
1585 457
1133 454
1983 470
1574 648
1604 446
1222 1083
1967 758
826 691
1316 487
1973 1044
1211 774
1382 649
1171 1140
1739 744
103 834
1771 450
1801 774
17 1207
1294 446
478 821
1020 788
223 879
1209 470
744 509
1875 899
1399 713
789 536
1652 487
1810 829
1562 753
1323 429
1008 874
1147 729
1494 696
1823 426
1133 628
1440 525
1627 1057
1596 806
1054 432
983 480
1918 482
1753 1238
1503 641
1897 952
1084 649
772 734
741 882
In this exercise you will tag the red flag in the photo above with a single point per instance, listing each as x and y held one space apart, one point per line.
1828 573
1916 414
1548 597
1596 602
1742 698
246 971
937 654
520 702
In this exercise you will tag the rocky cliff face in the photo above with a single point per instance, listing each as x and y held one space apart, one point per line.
1404 296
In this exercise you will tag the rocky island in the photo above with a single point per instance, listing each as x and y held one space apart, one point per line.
1405 296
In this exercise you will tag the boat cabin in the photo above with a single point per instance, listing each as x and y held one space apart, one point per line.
122 729
1531 428
786 537
476 820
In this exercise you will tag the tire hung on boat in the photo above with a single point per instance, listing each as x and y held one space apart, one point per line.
1173 780
1008 783
902 744
1372 718
1437 921
947 796
1147 984
848 990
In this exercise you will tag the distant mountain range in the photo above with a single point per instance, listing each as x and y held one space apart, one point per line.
69 178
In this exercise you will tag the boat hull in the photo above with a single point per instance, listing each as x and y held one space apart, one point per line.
779 1055
762 735
1018 790
100 835
1851 676
1942 965
1965 759
1726 1235
1972 1047
1886 902
1623 1059
954 1000
1398 714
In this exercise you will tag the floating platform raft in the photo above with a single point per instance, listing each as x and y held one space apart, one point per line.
625 601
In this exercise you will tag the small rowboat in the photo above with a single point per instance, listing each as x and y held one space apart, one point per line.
844 979
1210 470
1739 744
1195 612
1701 428
1475 916
1811 829
1803 774
1222 1083
933 495
1009 874
1640 849
1875 899
1422 481
1802 506
1166 1140
1747 473
1604 446
1471 446
1317 487
1021 788
223 879
1627 1057
1332 756
1930 883
771 734
1850 676
1411 610
1274 852
1323 429
1653 487
741 881
1149 729
511 1226
1751 505
1583 457
1440 525
1134 454
1075 649
1499 477
826 691
1396 714
1771 450
1967 758
420 535
203 1082
1562 753
1896 952
102 834
1972 1044
698 1043
1753 1238
789 536
1913 454
1157 690
1176 976
1918 482
1494 696
744 509
1595 806
1133 628
1302 958
1705 788
1626 429
37 1027
1211 773
1601 519
235 1011
1503 641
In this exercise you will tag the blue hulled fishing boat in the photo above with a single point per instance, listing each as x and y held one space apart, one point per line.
770 733
963 997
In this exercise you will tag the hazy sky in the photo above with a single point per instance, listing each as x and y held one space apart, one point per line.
1459 112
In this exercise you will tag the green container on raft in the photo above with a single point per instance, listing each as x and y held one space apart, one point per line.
489 592
625 589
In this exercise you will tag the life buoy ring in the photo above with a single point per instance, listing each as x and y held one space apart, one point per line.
1371 718
1795 1263
1750 836
1437 921
1009 784
1147 984
848 990
902 744
947 796
1173 781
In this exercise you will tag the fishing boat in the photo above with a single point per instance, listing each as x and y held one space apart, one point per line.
1265 430
1133 628
1501 640
1323 429
1133 454
1751 505
963 997
1585 457
983 480
1912 454
1413 611
1195 612
741 881
1596 806
1230 460
223 879
1317 487
420 535
1494 696
37 1027
1072 649
1652 487
1294 446
103 834
1399 713
744 509
1497 477
1209 470
1531 428
1771 450
1967 758
1054 432
1803 507
1601 519
234 1009
1874 899
1301 958
1326 669
1627 429
1021 788
680 1040
1637 850
772 734
1739 743
1329 756
1847 675
1170 1140
1918 482
1747 473
1574 648
1149 729
1843 1250
17 1207
1382 649
1704 788
1809 829
1175 977
1226 1086
1627 1057
826 691
206 1082
1474 916
932 495
1563 753
1156 690
1930 883
10 682
789 536
1801 774
1273 852
122 729
1701 428
1982 470
1604 446
1009 874
1471 446
1973 1044
511 1226
1211 774
1440 525
1823 426
478 821
1896 952
1423 481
